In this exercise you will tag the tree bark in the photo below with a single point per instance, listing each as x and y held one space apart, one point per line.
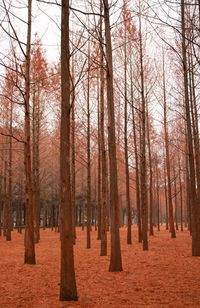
128 201
99 178
35 157
151 232
10 182
137 178
115 259
169 189
176 199
73 154
68 290
166 199
194 198
88 155
181 191
103 152
29 257
157 196
143 171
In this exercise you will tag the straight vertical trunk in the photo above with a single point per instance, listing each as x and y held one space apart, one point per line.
143 171
29 257
99 178
73 166
194 197
181 191
6 224
104 174
103 153
128 201
88 156
137 180
169 189
166 200
157 197
150 180
187 189
35 155
115 259
68 291
10 222
194 112
176 200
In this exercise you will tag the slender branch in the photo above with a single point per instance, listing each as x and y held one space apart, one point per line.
15 138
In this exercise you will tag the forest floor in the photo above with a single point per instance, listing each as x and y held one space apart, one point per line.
165 276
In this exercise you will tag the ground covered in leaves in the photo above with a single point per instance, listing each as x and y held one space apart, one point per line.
165 276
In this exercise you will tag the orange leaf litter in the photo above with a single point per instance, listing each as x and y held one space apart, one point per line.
165 276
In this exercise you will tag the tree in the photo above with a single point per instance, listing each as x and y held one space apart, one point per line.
103 169
29 256
39 85
88 155
194 194
151 232
143 168
68 290
126 18
115 259
137 180
168 169
8 154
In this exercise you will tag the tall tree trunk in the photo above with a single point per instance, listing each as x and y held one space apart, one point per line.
73 155
137 180
104 173
115 259
10 223
176 199
6 228
29 257
128 201
194 198
88 155
181 191
150 179
103 152
169 189
35 156
68 289
73 167
157 196
99 178
194 112
143 171
166 199
187 184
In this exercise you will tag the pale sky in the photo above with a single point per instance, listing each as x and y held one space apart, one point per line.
45 22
